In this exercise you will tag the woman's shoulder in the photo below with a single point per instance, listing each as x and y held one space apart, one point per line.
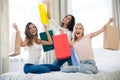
88 35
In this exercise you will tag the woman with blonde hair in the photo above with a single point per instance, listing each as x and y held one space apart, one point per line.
82 46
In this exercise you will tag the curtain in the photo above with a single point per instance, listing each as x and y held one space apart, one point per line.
4 38
54 4
63 9
59 9
116 13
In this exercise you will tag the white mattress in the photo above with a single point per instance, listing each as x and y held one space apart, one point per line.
108 60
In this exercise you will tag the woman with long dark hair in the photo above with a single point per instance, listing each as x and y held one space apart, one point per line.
66 26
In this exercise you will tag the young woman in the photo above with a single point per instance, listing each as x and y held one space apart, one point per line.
66 26
34 50
83 48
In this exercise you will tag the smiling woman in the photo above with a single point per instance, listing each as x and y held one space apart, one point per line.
22 12
92 14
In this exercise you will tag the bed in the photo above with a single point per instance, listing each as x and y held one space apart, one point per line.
62 76
108 63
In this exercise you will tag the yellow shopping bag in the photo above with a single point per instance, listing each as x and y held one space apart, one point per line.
43 14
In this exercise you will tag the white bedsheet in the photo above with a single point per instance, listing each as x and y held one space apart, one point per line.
62 76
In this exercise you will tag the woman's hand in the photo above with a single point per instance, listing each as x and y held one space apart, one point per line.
45 2
61 31
111 19
15 26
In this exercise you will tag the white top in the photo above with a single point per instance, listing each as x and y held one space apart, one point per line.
84 49
69 33
55 27
34 53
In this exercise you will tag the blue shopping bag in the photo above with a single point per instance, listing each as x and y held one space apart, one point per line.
75 60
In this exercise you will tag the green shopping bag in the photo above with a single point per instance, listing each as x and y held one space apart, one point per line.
43 36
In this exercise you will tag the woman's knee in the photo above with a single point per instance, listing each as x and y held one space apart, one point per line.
26 68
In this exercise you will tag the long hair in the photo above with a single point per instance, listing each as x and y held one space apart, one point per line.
71 24
29 37
74 37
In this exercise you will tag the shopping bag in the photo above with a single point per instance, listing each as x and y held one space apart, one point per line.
61 46
75 60
111 38
43 14
43 36
14 49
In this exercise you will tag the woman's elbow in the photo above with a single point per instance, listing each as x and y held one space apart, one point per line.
50 42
